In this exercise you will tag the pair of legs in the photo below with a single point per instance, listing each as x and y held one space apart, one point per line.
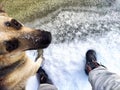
91 63
99 77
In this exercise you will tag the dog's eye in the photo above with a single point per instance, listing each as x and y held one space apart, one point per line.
8 24
11 45
15 24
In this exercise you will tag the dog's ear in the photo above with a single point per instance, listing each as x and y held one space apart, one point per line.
2 12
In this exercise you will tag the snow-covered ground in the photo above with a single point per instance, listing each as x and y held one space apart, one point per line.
74 32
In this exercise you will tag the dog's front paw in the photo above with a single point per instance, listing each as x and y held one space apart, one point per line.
40 59
39 54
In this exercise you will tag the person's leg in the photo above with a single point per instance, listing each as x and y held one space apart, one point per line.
47 87
45 82
43 77
99 77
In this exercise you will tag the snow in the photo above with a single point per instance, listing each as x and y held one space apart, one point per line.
74 32
65 62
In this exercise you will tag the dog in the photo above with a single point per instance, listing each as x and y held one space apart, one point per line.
15 39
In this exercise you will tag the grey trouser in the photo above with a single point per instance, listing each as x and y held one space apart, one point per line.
47 87
101 79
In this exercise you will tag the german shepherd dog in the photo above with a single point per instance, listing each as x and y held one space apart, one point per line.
15 39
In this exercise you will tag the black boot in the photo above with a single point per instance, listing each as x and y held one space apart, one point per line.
91 61
90 56
43 77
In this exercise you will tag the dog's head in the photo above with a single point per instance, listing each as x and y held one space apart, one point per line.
16 37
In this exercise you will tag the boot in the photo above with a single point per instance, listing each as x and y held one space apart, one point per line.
43 77
91 61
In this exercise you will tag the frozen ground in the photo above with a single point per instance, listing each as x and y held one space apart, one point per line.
74 32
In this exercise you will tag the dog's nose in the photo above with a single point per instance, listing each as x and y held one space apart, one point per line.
40 39
46 37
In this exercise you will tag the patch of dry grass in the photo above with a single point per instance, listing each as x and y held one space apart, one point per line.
27 10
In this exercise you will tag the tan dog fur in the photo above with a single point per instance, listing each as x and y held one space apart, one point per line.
19 66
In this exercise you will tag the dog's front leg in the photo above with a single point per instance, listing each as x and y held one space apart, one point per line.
22 73
39 60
